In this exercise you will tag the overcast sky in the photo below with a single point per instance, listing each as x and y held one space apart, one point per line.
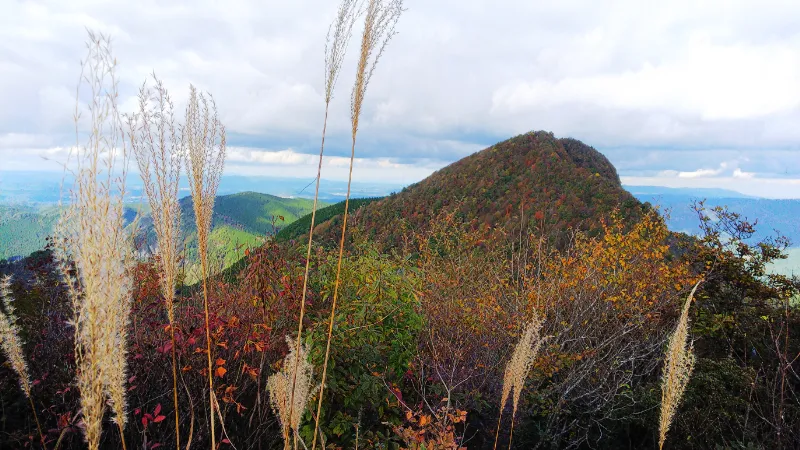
677 93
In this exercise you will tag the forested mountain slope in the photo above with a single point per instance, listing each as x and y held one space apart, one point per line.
558 184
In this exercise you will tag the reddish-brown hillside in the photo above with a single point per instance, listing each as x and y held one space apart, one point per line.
562 184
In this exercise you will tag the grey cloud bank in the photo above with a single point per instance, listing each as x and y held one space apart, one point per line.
683 93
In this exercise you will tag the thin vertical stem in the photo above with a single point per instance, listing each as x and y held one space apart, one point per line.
175 388
511 436
308 263
121 436
335 296
204 270
379 25
497 433
36 418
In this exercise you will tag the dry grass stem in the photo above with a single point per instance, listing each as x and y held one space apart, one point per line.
156 146
678 367
380 19
517 370
94 247
339 34
203 142
295 367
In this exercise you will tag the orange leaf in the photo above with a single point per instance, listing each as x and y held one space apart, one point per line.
220 361
220 371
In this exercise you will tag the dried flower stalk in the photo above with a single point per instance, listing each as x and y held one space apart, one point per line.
11 344
380 19
517 370
678 367
156 146
298 370
94 247
203 142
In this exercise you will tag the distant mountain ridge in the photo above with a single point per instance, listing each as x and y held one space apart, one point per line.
252 212
772 214
242 219
685 192
44 188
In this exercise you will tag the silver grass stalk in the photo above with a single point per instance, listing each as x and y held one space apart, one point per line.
10 341
298 370
336 44
203 146
11 344
94 248
678 366
518 368
380 20
157 148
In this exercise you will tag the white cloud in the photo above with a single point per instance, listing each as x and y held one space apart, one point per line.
703 173
282 163
674 78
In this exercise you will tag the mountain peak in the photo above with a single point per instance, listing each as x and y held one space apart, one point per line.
558 184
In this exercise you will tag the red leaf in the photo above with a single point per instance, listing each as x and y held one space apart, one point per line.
156 445
144 420
137 411
159 419
157 410
226 441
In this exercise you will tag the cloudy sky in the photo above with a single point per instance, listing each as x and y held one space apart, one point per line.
678 93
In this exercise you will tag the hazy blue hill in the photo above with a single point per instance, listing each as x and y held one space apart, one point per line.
771 214
656 191
25 187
